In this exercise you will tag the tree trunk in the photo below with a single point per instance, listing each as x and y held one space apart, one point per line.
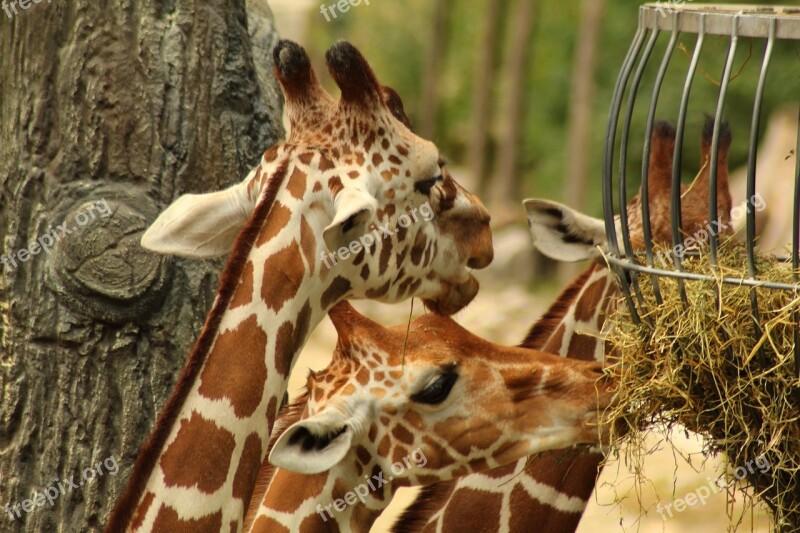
581 104
482 97
429 106
507 189
108 111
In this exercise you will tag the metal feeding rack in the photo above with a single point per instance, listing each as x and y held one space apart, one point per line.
680 26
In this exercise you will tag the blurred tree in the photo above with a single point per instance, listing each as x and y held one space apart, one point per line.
128 104
488 53
430 90
581 103
507 187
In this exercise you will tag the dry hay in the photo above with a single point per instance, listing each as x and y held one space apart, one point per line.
703 365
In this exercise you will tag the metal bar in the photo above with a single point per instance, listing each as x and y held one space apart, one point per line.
796 247
623 161
755 23
752 160
741 282
608 164
713 215
677 160
651 115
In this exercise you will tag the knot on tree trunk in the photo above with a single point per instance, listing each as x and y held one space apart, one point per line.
97 264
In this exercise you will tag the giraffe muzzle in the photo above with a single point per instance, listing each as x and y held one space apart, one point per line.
454 297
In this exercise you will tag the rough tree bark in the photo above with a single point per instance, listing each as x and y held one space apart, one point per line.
129 104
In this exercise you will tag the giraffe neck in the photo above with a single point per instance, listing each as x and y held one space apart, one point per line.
553 489
197 470
331 501
286 501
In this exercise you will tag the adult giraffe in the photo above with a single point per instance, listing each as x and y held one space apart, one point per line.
415 404
347 170
550 491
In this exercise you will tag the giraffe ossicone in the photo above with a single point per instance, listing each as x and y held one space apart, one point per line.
438 391
345 166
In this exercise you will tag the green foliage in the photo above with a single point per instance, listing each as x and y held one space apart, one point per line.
396 37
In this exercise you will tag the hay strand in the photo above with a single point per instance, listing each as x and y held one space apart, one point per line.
714 368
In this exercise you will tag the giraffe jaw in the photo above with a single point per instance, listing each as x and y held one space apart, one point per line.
454 297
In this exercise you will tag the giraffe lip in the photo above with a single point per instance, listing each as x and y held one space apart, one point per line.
481 262
454 297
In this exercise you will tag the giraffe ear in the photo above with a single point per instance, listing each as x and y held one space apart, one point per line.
200 225
562 233
313 445
354 212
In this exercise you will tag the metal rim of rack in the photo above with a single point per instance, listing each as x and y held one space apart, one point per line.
674 19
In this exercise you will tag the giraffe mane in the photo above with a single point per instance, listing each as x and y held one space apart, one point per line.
543 328
122 513
289 415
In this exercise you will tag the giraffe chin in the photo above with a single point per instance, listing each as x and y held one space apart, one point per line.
454 297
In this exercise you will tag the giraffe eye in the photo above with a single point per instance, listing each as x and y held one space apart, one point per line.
437 390
425 186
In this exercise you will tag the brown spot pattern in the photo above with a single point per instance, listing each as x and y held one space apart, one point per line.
244 291
268 525
277 220
325 164
236 368
167 520
462 512
589 299
141 511
297 183
335 291
186 465
335 185
582 344
283 274
289 338
308 243
246 473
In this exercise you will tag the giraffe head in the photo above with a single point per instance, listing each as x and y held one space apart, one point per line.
568 235
461 402
375 212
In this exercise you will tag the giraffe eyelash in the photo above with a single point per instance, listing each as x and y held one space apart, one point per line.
437 390
424 187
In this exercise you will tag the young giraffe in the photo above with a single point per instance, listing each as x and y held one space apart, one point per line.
551 491
346 167
430 392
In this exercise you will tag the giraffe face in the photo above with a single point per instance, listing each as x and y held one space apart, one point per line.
465 403
378 215
567 235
